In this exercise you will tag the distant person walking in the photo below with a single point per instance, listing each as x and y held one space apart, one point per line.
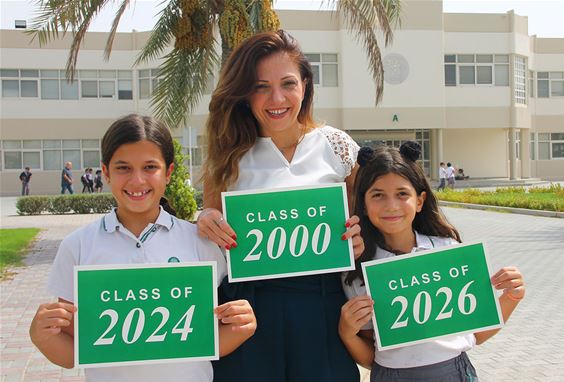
98 184
442 176
25 178
87 181
66 178
451 172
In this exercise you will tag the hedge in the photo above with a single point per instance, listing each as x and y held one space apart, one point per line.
62 204
536 198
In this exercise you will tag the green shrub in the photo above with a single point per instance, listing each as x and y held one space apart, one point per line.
32 205
80 204
102 203
510 190
179 194
199 197
61 204
513 197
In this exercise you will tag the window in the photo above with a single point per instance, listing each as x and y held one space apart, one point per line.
556 84
325 68
548 146
517 143
519 82
550 84
19 83
148 82
476 69
544 146
125 84
557 145
50 154
19 154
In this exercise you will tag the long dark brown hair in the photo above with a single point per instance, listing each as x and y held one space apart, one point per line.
136 128
231 126
385 160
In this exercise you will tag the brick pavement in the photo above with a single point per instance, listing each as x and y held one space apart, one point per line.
529 348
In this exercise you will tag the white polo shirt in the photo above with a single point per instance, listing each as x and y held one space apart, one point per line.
107 241
419 354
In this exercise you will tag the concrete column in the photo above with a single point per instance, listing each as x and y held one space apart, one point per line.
512 155
433 157
440 153
524 148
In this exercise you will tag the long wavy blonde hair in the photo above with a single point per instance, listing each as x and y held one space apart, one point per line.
231 127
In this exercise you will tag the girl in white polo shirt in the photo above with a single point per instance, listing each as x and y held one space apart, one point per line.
399 214
137 162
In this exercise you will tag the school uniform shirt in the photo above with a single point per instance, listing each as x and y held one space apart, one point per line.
442 173
107 241
450 172
419 354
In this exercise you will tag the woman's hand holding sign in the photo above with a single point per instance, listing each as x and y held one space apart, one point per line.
353 232
213 226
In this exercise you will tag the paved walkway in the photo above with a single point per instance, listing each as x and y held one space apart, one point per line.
529 348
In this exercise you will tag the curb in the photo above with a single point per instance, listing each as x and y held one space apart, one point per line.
522 211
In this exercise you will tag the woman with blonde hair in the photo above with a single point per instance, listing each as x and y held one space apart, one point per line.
261 134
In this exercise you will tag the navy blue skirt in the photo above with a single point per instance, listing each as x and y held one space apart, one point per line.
297 337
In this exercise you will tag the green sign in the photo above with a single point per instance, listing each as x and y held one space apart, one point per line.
148 313
288 232
430 294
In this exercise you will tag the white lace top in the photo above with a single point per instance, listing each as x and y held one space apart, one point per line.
325 155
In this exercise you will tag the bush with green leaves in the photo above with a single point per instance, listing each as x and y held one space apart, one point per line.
61 204
199 197
180 195
32 205
547 199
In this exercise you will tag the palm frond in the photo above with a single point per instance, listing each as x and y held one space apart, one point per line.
359 16
53 17
87 13
113 30
184 79
62 16
162 34
255 12
365 18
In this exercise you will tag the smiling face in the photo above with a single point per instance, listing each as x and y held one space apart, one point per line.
391 205
137 175
278 95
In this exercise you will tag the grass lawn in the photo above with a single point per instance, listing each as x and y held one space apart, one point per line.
536 198
13 243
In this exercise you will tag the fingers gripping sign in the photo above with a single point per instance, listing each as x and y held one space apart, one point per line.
353 233
212 225
239 314
355 314
510 281
49 320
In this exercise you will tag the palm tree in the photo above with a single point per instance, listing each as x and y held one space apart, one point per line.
189 26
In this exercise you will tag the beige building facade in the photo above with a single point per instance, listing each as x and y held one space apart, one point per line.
474 89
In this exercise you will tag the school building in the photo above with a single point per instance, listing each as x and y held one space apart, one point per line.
474 89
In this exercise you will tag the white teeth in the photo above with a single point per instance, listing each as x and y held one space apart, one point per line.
277 111
141 193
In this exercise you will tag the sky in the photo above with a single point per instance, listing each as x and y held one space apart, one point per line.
545 16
